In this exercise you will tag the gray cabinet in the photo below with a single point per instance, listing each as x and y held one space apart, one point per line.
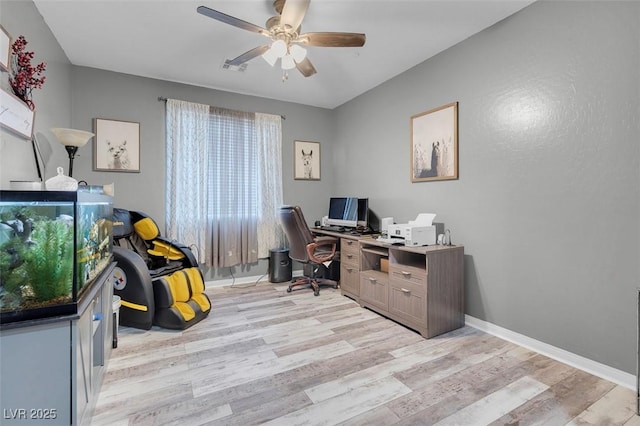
374 280
408 295
422 287
350 268
52 368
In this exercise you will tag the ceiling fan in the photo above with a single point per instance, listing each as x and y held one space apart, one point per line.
286 38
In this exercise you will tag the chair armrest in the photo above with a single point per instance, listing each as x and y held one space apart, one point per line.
325 240
180 247
137 286
328 243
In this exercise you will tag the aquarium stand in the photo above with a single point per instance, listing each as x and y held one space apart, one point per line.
45 382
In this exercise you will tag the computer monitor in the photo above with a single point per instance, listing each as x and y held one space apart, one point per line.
343 211
363 212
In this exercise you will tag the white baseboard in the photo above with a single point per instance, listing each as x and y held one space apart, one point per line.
614 375
243 280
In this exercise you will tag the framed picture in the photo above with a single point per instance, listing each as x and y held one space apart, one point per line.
15 115
117 146
434 144
306 160
5 49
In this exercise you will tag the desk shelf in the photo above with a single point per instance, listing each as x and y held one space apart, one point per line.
409 259
371 258
380 251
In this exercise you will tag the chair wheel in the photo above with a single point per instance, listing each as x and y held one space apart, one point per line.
288 289
316 292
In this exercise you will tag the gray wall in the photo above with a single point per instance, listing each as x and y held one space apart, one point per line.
53 101
105 94
547 203
73 96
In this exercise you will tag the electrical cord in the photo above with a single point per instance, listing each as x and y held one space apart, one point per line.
197 250
248 284
233 278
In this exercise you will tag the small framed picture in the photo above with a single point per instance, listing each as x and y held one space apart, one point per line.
306 160
5 49
434 144
15 115
117 146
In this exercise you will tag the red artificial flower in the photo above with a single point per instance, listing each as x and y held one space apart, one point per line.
24 77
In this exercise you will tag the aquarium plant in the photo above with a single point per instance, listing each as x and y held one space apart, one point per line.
48 263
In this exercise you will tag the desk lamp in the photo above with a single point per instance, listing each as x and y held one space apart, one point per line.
72 139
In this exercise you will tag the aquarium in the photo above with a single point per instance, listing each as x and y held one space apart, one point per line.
53 244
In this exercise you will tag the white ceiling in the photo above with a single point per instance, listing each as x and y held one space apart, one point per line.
169 40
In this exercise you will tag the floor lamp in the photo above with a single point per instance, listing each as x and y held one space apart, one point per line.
72 139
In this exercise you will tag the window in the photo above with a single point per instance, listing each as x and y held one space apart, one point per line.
224 182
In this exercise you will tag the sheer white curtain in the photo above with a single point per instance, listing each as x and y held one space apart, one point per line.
269 128
238 180
187 153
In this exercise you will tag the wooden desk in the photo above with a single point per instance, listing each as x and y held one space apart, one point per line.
423 287
420 287
349 261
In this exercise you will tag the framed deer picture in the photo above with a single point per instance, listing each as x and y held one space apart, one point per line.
306 160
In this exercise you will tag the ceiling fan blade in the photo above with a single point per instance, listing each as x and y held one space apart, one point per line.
228 19
278 5
293 12
333 39
306 67
247 56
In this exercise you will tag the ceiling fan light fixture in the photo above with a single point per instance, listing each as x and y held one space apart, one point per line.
279 48
287 40
288 63
298 52
270 57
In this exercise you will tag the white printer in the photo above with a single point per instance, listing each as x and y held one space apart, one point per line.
418 232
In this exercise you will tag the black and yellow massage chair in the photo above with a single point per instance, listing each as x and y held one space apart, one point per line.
158 280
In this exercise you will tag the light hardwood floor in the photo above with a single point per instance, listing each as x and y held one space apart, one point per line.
267 356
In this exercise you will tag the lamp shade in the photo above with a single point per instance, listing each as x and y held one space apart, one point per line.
298 52
270 57
279 48
287 62
72 137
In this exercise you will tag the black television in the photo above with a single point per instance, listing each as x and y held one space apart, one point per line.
343 211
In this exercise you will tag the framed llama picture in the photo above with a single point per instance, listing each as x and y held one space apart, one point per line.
434 144
117 146
5 49
306 160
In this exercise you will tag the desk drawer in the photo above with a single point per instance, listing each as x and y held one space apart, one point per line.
349 252
350 278
409 301
408 274
374 288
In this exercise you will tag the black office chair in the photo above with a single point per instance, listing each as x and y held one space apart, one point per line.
309 250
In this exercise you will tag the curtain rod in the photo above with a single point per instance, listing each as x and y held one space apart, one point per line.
163 99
